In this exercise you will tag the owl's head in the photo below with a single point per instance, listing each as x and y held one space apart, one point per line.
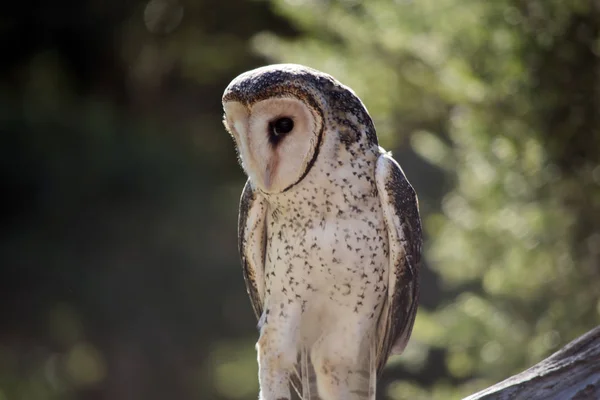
278 116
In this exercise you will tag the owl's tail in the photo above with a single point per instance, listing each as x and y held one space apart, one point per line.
361 383
304 378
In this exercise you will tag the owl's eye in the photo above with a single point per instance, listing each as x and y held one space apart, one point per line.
281 126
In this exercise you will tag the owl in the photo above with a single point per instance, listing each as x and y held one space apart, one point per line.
329 234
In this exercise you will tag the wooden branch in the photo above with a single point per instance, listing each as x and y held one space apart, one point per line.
572 373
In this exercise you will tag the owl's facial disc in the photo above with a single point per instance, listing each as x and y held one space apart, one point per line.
276 140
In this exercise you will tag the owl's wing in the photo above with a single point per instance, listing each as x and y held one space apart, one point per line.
401 214
252 243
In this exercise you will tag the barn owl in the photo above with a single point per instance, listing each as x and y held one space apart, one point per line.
329 234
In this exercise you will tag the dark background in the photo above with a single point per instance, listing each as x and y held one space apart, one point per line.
119 272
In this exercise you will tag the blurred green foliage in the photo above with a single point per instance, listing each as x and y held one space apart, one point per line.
119 273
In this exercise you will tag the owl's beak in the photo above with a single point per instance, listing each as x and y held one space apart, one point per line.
267 179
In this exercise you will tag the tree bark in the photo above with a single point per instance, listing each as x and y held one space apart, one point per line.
572 373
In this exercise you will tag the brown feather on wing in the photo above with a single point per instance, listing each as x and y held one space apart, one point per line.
252 244
401 213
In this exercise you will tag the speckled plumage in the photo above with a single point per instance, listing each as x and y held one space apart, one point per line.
331 257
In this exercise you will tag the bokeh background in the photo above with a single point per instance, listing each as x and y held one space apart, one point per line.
119 273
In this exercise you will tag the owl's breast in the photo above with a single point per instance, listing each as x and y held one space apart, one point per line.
334 255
